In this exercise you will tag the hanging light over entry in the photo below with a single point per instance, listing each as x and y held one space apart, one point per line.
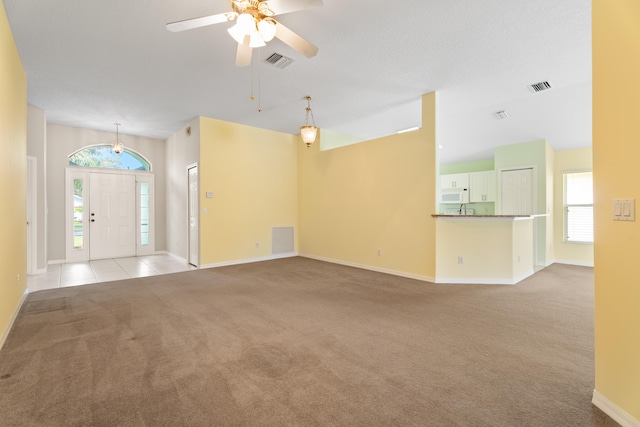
308 132
117 146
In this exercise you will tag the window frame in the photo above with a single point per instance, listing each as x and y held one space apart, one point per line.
566 206
133 153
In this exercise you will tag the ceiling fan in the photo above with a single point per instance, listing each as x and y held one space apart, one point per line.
255 25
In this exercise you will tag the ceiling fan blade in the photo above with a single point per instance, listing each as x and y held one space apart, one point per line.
243 55
295 41
280 7
189 24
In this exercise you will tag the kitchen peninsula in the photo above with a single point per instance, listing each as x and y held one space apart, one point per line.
484 249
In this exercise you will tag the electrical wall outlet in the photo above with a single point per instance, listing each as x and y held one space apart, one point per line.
460 259
379 252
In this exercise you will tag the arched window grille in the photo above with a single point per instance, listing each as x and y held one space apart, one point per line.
102 156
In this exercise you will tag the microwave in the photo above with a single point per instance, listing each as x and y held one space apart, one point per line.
454 195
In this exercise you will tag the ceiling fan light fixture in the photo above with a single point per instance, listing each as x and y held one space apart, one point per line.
267 29
236 33
256 40
246 23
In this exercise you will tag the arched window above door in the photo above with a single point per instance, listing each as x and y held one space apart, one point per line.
102 156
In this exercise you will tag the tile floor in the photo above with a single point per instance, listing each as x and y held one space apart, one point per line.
83 273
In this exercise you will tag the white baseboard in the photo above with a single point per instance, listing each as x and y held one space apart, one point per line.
569 262
56 261
472 281
614 411
5 333
249 260
454 281
372 268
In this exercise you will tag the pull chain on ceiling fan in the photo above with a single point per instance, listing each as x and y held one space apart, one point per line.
255 25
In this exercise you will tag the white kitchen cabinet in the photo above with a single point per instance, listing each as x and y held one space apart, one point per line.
482 186
454 180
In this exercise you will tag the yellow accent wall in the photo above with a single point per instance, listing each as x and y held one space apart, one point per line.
375 195
13 213
252 174
569 161
616 152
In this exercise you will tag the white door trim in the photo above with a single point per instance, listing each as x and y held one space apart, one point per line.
32 215
193 209
71 173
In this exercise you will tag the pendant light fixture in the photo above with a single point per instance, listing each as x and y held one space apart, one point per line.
117 146
308 132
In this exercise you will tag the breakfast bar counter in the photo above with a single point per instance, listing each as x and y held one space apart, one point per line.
484 249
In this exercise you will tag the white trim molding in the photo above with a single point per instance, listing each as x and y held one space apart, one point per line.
614 411
578 263
5 333
248 260
372 268
484 281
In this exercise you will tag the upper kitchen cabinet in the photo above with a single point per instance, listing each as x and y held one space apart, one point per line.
482 186
454 180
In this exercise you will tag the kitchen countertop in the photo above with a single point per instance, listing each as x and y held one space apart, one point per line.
480 216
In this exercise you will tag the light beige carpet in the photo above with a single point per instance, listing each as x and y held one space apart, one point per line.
298 342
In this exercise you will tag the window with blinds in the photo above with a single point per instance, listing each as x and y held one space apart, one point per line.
578 207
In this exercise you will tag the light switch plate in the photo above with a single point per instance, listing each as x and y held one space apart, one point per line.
624 210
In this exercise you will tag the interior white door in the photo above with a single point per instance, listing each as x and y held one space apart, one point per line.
517 192
113 215
194 234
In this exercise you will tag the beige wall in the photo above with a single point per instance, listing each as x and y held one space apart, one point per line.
616 152
493 251
37 147
375 195
182 150
13 213
252 174
569 161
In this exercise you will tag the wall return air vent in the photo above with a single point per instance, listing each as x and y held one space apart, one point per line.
278 60
539 87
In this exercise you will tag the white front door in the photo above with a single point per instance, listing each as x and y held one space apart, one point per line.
112 219
194 244
517 192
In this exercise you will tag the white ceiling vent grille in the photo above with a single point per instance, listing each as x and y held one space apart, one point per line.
278 60
539 87
502 115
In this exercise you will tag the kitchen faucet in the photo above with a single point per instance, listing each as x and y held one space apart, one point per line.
462 207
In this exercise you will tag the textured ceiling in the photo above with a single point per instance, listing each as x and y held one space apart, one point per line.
90 64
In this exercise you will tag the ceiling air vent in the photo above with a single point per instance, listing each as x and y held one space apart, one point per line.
278 60
539 87
502 115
